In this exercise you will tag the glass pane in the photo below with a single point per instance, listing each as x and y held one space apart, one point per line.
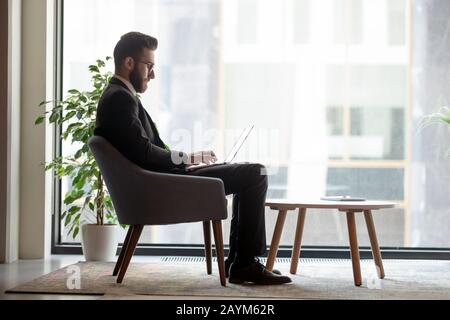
331 116
184 97
430 171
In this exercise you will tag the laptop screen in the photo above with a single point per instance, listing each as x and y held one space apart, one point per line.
238 144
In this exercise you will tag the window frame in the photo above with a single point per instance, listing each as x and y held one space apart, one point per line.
332 252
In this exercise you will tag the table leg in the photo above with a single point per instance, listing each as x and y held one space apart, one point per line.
354 247
374 243
298 239
276 239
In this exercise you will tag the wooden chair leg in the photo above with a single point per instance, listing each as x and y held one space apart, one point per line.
122 252
134 238
207 237
354 247
218 239
276 239
298 239
374 243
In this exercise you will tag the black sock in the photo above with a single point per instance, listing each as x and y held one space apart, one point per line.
244 261
231 256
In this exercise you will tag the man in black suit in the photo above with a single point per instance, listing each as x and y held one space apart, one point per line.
123 121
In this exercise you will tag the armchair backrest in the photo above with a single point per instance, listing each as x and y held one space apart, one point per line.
142 197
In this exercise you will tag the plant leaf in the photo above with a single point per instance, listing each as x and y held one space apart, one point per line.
75 232
93 68
74 91
44 103
39 120
67 220
54 117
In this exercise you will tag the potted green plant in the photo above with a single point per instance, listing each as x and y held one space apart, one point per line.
442 116
88 196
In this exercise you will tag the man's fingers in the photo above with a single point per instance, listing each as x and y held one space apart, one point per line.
202 157
214 158
209 157
196 158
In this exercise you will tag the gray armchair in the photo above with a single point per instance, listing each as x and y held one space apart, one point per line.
141 197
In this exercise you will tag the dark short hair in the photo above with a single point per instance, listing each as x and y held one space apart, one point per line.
131 45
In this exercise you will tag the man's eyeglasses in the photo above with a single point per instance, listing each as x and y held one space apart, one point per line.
150 65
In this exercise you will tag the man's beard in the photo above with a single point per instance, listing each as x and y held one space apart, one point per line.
136 80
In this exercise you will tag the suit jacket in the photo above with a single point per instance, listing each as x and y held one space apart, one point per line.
123 121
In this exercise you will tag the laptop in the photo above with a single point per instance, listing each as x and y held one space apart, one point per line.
231 155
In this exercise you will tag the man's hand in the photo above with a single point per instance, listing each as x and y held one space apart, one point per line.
206 157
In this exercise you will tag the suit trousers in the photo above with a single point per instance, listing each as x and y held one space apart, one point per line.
248 184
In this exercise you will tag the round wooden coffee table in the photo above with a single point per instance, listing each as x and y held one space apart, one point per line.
349 207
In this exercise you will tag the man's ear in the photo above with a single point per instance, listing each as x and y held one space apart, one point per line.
129 63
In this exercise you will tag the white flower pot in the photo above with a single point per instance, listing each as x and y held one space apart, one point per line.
99 242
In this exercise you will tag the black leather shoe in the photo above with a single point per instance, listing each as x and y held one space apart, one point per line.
255 273
228 265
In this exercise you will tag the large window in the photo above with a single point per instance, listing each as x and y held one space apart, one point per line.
327 84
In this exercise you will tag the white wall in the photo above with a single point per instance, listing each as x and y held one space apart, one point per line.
37 64
14 76
3 125
10 124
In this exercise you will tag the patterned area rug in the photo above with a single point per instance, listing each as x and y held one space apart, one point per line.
315 279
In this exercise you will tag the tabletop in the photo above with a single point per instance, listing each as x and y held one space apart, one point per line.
291 204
